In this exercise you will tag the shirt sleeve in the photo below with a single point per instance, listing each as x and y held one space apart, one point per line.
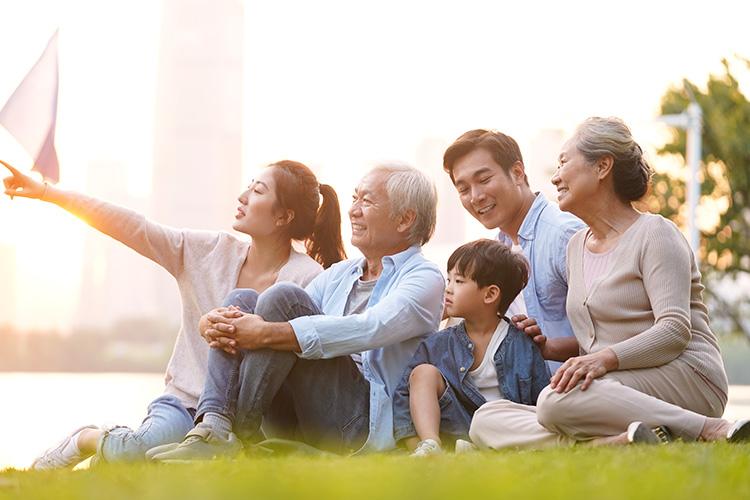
410 309
162 244
666 272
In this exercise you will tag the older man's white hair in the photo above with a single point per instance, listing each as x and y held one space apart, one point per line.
408 188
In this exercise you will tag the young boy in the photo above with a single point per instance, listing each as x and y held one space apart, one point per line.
483 358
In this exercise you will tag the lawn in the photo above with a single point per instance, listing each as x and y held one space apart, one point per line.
693 471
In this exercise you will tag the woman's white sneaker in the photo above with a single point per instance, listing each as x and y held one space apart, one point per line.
65 454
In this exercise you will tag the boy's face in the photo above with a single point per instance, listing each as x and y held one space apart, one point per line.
462 295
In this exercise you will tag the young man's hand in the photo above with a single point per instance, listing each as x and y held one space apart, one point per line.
556 349
530 327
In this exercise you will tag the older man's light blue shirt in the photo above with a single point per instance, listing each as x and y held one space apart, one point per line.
405 305
544 236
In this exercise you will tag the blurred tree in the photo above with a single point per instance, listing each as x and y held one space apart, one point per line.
724 219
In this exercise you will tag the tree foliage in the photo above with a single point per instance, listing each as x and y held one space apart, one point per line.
725 169
725 190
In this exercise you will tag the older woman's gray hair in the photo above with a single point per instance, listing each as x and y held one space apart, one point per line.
631 174
408 188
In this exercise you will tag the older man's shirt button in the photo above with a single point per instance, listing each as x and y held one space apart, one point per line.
462 369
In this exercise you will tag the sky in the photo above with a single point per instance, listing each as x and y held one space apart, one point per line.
341 85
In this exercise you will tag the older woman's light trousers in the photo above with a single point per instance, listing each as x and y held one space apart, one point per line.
674 395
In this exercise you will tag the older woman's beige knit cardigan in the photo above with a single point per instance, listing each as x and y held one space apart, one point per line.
647 307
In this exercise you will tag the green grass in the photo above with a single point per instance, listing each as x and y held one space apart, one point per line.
691 471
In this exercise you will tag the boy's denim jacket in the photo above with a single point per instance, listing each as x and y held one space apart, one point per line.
521 371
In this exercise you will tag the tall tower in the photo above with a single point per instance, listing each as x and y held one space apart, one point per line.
116 282
450 228
541 159
198 123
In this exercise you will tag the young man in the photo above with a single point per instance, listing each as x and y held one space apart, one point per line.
483 358
487 169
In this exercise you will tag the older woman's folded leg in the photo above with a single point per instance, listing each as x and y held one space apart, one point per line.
673 395
505 424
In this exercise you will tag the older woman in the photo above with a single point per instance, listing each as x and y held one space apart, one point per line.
643 356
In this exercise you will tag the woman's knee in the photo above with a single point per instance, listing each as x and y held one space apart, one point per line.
276 298
554 409
479 430
487 423
244 298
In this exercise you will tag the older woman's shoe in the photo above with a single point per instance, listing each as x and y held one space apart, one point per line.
640 433
739 432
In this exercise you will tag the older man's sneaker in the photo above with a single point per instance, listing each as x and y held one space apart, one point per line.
65 455
739 432
158 450
427 448
201 444
640 433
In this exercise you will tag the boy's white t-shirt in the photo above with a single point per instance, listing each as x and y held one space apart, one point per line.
484 376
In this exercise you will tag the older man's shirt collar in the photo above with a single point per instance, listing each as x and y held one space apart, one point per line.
389 261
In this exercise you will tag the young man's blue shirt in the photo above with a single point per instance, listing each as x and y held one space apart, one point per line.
544 236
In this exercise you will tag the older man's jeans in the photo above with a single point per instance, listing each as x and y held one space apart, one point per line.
323 402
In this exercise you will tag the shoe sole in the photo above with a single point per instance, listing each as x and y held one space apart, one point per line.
638 433
740 432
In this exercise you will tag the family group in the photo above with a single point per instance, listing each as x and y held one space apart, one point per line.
582 322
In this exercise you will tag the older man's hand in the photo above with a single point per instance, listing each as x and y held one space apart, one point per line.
247 331
584 368
215 327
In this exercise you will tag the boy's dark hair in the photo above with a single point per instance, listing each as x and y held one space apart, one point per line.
503 148
489 262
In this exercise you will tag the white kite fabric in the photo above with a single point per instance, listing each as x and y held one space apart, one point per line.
30 114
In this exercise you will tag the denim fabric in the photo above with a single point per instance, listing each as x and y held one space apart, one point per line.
404 307
167 421
544 236
521 373
221 388
326 400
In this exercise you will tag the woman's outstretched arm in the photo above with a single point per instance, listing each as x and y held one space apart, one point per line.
162 244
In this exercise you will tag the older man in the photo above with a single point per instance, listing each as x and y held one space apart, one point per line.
334 351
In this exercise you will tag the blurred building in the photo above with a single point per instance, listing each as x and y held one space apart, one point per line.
198 123
7 284
450 229
540 159
197 162
116 282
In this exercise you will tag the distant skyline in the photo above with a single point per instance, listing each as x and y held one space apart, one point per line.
338 85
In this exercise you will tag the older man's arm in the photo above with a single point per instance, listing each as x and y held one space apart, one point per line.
412 309
409 310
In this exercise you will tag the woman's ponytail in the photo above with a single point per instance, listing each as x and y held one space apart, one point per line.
325 244
317 215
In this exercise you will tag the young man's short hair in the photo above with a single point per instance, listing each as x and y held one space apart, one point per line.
489 262
503 148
